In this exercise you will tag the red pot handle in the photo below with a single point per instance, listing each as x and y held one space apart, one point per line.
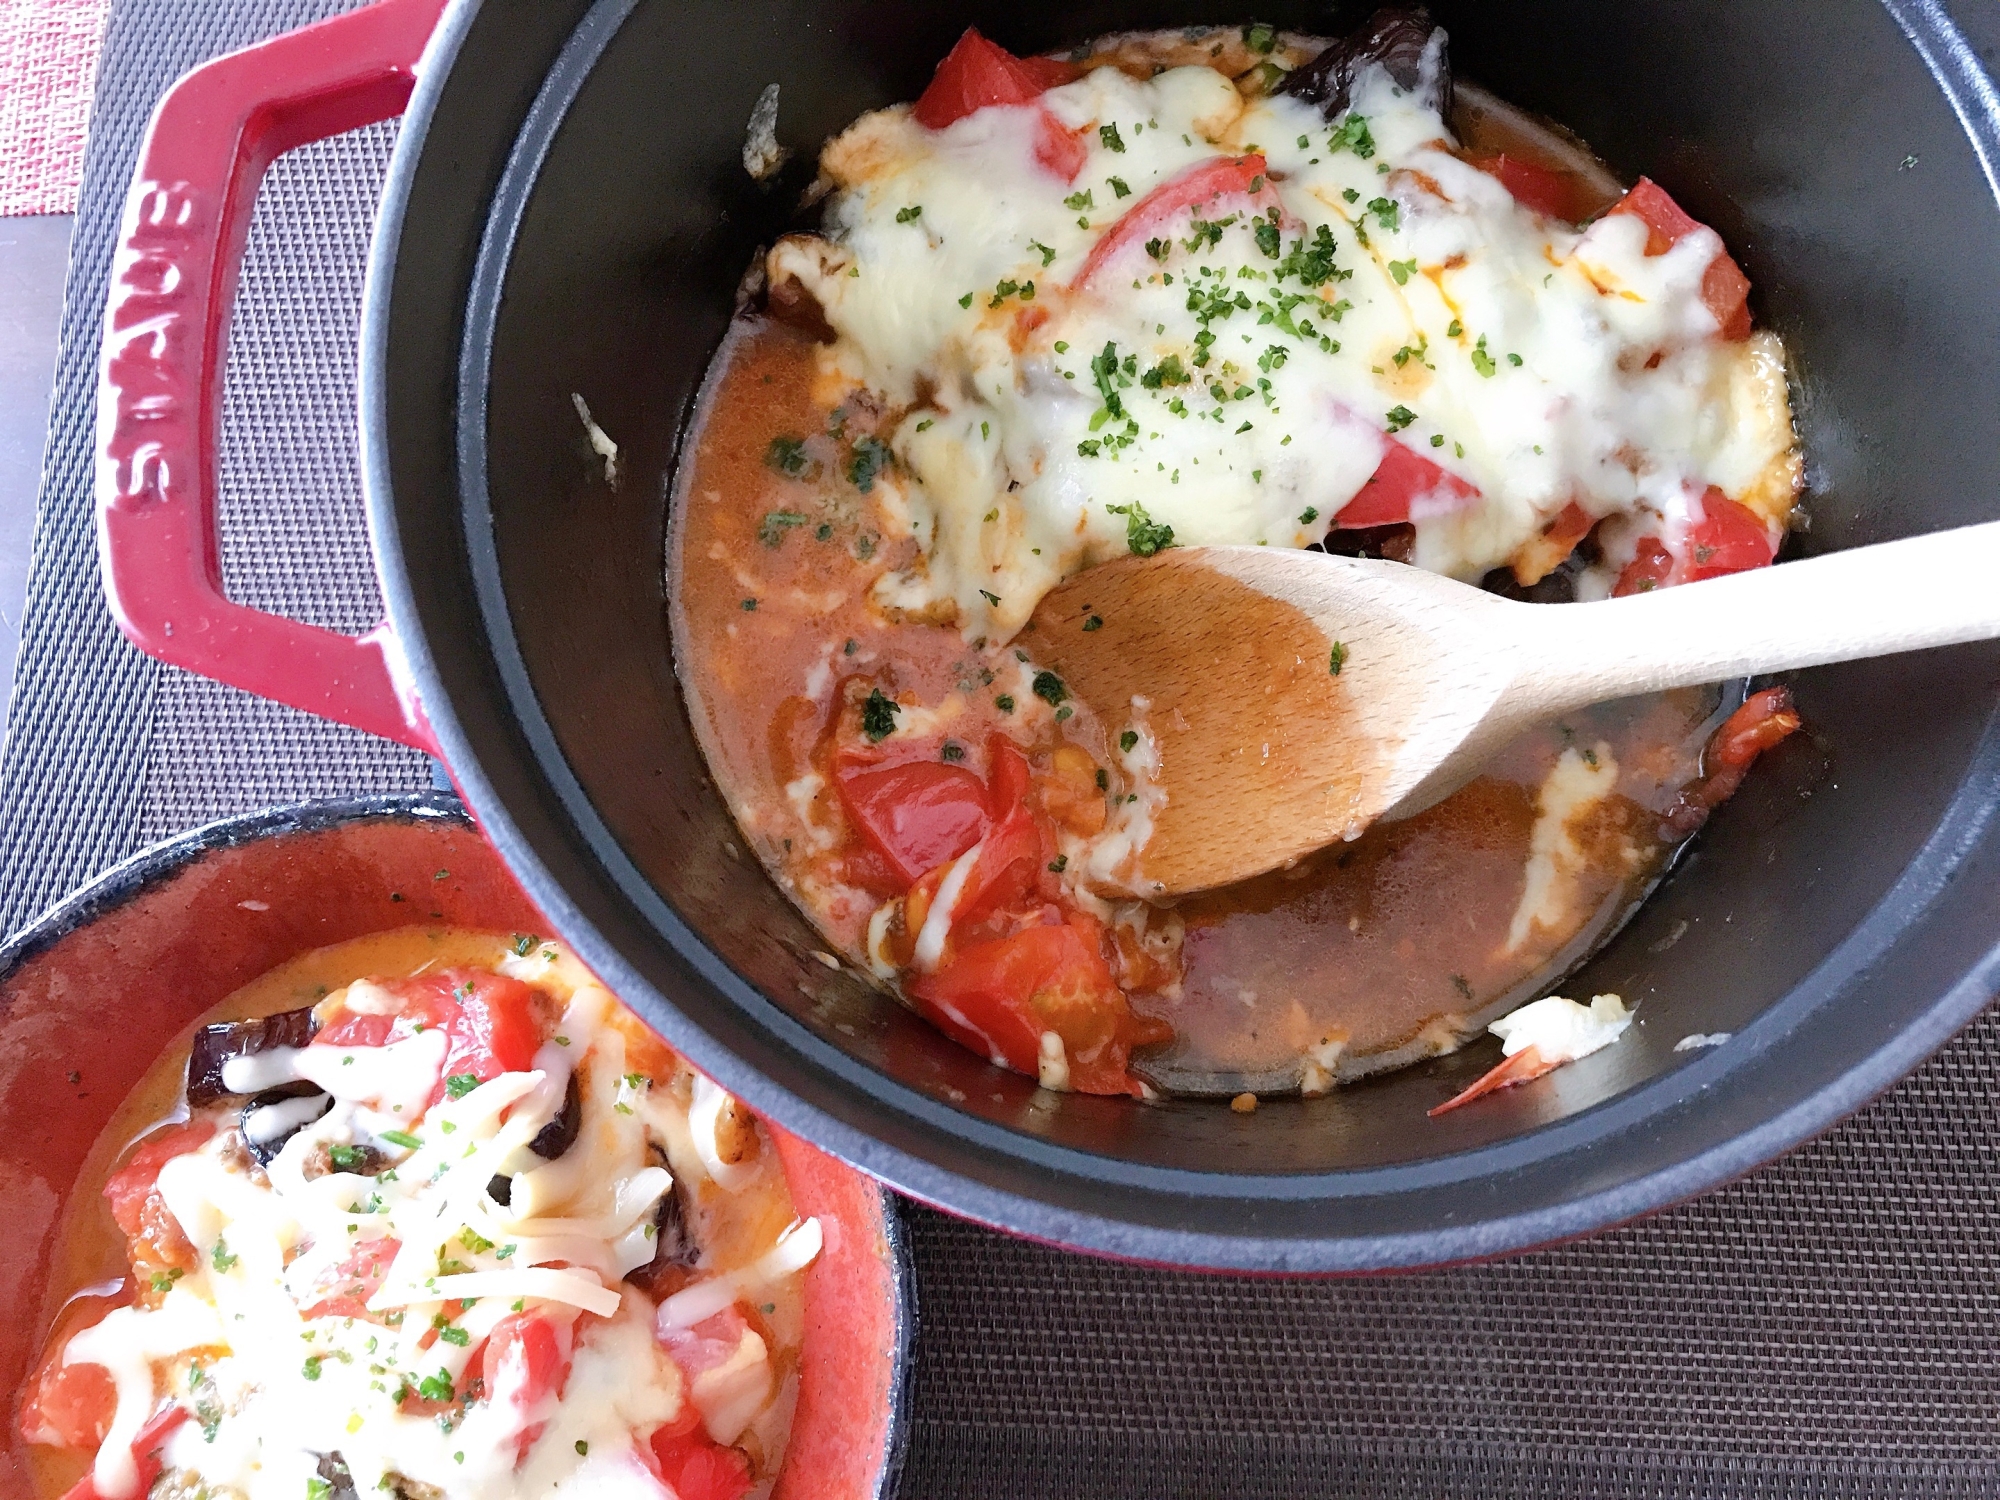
159 398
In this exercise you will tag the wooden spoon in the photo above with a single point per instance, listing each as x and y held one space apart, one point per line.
1296 698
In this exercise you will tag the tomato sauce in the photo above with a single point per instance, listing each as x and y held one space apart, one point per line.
1368 956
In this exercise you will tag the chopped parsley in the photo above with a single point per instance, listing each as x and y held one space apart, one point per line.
749 605
1077 202
461 1084
1338 659
1403 270
1168 371
966 300
1128 739
952 751
1482 361
1059 864
1387 214
524 944
1005 703
1095 622
220 1257
402 1138
1143 535
878 716
910 214
1400 417
1118 187
771 530
871 457
990 598
788 456
1112 142
1047 253
1049 688
1352 134
312 1365
1260 38
436 1387
454 1335
1309 515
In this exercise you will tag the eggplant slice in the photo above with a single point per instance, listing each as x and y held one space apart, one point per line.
556 1137
674 1247
316 1103
217 1044
1395 37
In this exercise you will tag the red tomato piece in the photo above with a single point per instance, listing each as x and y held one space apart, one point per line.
1766 719
488 1019
977 73
1534 186
694 1465
145 1454
1725 289
1007 774
917 816
1058 148
1405 486
344 1291
998 997
1648 570
709 1343
524 1362
1728 539
131 1190
1245 178
71 1406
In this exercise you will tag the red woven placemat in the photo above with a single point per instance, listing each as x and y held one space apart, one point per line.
48 65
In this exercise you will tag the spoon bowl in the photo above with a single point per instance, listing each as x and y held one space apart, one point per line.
1295 698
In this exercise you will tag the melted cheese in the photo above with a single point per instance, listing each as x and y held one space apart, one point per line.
272 1389
1537 363
1561 1030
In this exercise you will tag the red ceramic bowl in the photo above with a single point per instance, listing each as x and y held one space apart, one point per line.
91 992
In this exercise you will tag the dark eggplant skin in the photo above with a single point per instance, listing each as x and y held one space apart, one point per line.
1395 36
340 1483
560 1133
263 1151
674 1246
217 1044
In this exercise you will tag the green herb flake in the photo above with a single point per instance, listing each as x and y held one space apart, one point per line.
458 1085
878 716
966 300
1049 688
1077 202
788 456
402 1138
1352 134
909 215
220 1257
1112 142
871 458
437 1387
311 1368
1059 864
1337 659
1118 187
1128 739
1143 535
1047 253
1400 417
771 530
1005 703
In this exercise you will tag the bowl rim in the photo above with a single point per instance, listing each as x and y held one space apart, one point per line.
895 1113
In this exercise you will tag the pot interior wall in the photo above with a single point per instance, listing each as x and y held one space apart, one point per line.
1807 131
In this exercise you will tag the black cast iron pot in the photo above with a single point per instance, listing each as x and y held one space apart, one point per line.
568 212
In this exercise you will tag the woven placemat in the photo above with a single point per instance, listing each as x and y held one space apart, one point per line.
1829 1327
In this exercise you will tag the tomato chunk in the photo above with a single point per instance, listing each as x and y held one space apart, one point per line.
344 1291
977 73
489 1020
145 1454
1766 719
998 998
1728 539
1237 178
694 1465
136 1205
1650 569
1405 486
1724 288
1534 186
523 1363
71 1406
917 815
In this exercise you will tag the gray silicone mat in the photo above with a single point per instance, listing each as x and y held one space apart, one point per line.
1829 1327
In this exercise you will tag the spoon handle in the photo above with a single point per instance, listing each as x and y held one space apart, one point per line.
1934 590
